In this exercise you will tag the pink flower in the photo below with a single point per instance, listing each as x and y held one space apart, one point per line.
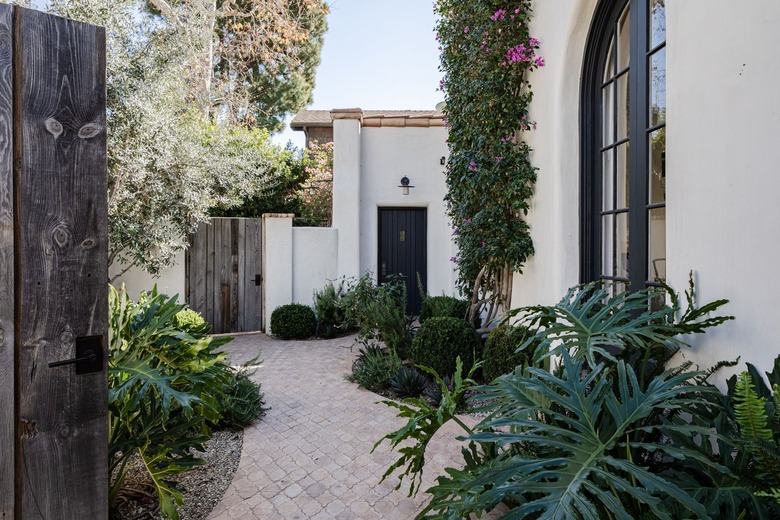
539 62
533 42
466 29
454 259
473 166
498 15
499 159
484 244
467 221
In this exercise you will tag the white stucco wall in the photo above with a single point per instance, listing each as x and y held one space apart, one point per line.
722 182
387 155
346 194
171 281
315 255
277 264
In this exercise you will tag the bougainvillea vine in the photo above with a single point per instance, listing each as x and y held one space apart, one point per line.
486 56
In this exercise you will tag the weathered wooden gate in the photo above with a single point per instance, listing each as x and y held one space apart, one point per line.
53 268
223 266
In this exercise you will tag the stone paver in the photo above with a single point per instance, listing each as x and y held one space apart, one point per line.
310 456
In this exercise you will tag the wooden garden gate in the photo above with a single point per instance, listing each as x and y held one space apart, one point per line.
223 266
53 268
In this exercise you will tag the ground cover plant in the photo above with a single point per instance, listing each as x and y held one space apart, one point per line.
169 388
613 431
165 386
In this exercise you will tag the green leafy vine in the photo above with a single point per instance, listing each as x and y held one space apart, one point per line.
486 55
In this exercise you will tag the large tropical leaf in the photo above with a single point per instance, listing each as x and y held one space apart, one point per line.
423 421
577 429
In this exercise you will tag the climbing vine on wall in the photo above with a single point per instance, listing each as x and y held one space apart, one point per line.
486 55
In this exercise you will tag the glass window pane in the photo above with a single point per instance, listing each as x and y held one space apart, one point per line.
658 87
616 288
624 39
623 100
607 242
622 176
657 22
656 239
607 179
657 167
609 63
621 245
607 111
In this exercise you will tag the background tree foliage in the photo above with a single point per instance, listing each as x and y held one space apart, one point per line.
249 60
175 147
486 54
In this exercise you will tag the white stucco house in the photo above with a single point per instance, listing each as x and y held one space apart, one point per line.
388 194
658 123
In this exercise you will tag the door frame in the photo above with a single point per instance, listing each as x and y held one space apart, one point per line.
412 284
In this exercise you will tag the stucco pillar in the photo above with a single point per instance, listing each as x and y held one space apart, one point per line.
346 187
277 263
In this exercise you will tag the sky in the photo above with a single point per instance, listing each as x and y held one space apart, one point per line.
377 55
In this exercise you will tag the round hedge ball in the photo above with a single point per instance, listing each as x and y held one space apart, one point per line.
293 321
439 342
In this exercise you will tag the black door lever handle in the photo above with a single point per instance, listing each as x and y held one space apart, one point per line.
88 357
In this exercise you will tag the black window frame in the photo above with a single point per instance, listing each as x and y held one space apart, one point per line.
591 134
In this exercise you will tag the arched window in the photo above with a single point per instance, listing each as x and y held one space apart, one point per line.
623 143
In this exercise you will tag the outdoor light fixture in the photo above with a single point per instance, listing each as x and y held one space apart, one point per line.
405 185
443 160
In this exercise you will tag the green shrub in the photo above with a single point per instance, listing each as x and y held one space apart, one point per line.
330 310
439 341
500 356
164 390
293 321
380 311
242 402
408 382
191 321
374 367
438 306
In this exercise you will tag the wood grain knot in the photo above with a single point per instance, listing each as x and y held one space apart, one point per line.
5 46
2 336
61 235
64 433
89 243
89 130
54 127
29 429
66 338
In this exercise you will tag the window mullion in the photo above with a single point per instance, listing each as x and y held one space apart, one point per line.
637 226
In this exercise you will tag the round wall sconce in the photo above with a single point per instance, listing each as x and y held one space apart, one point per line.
405 185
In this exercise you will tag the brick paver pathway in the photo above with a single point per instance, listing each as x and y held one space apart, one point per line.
310 455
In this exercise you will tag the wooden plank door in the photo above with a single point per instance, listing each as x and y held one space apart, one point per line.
8 376
403 250
59 256
223 264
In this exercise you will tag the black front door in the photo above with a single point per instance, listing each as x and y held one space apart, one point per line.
403 250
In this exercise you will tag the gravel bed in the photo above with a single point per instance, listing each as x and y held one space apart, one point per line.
202 486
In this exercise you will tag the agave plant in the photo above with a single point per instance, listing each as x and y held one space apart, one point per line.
408 382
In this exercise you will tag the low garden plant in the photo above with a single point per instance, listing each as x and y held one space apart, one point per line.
501 355
614 430
242 401
165 388
375 366
293 321
439 341
329 308
438 306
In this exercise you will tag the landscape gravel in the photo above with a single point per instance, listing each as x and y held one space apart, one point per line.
202 486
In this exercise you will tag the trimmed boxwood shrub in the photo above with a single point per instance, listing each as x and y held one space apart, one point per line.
501 356
439 341
293 321
438 306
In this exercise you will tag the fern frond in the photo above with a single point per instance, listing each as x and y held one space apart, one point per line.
750 411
